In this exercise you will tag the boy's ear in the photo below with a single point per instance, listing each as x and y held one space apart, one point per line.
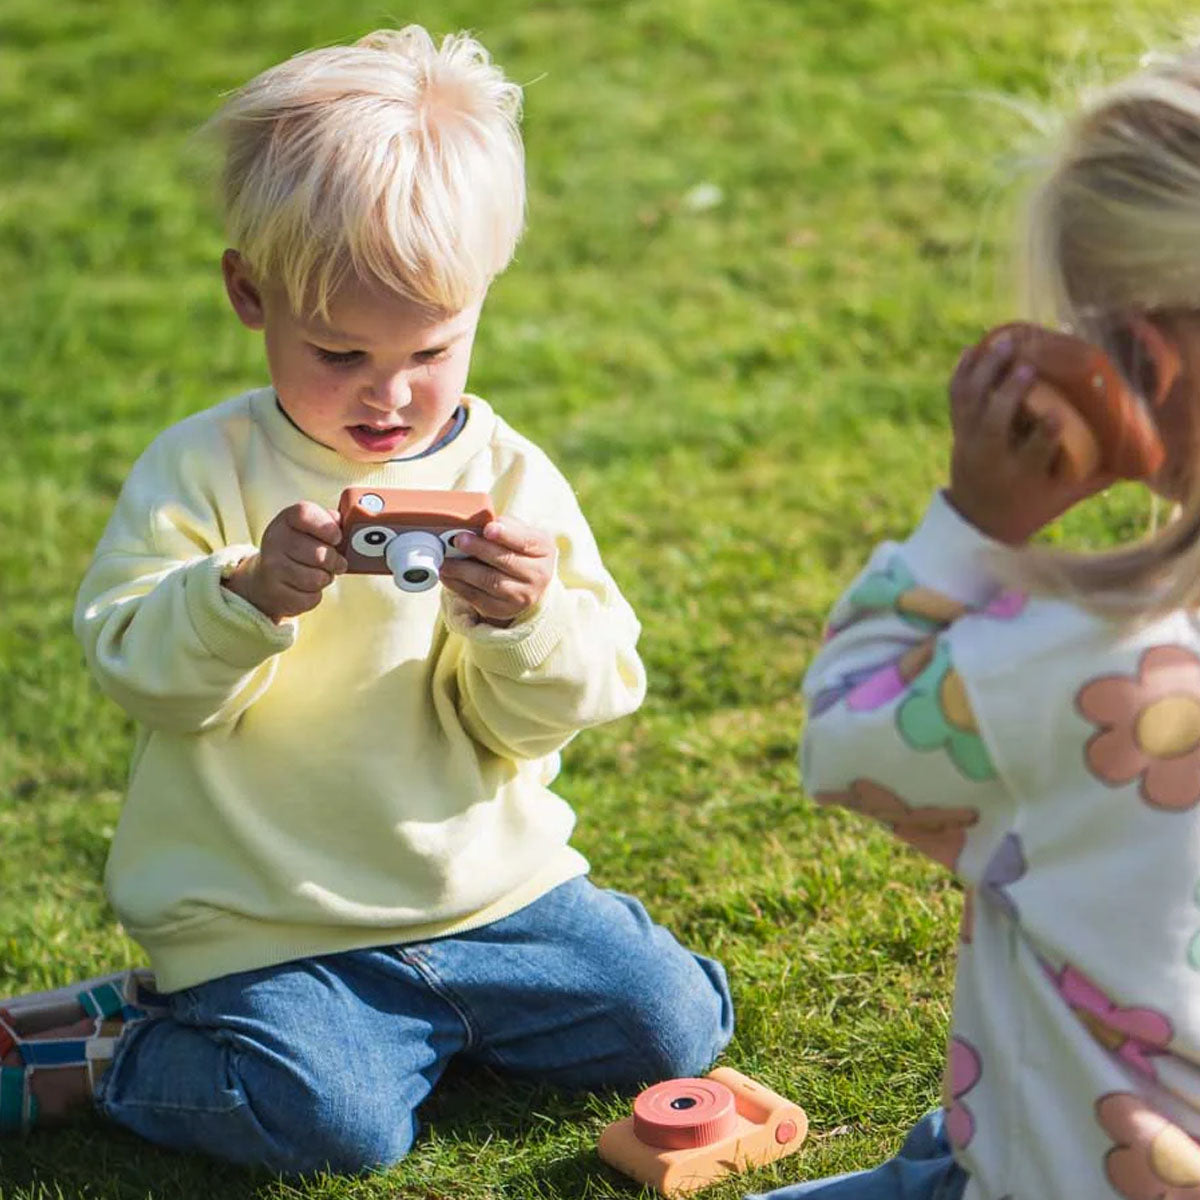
244 294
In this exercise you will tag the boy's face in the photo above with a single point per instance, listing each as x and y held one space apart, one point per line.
378 378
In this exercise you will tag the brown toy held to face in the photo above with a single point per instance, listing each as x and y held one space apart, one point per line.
407 533
1103 422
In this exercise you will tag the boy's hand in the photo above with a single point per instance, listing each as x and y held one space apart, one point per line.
1002 476
296 562
507 573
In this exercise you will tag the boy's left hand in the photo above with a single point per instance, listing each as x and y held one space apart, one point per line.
508 570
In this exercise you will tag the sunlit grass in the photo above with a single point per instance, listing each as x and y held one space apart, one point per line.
760 233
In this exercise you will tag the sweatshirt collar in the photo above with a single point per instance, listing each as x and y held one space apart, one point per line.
440 464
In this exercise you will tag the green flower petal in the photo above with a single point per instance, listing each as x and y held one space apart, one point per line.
970 756
881 589
921 722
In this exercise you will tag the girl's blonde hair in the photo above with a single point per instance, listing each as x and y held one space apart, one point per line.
1113 229
393 160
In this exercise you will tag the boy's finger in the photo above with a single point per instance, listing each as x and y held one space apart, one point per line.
484 603
301 577
306 517
321 554
518 536
491 581
494 556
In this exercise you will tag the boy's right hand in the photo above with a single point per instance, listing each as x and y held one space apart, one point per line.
1002 476
296 561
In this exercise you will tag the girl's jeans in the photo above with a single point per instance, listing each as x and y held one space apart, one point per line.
322 1063
923 1170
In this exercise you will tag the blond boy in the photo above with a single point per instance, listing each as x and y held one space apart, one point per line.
340 849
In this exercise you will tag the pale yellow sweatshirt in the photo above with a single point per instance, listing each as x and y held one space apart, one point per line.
376 771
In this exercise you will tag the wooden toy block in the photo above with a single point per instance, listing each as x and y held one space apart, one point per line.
687 1133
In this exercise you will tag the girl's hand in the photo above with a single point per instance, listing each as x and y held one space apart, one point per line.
296 562
1002 476
508 570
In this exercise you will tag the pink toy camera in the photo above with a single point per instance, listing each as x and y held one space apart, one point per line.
687 1133
405 533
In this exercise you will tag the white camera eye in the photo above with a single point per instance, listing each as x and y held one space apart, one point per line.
448 541
371 541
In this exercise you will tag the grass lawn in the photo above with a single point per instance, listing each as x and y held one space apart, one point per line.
761 230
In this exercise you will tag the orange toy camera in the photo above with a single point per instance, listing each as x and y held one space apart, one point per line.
1103 424
405 533
687 1133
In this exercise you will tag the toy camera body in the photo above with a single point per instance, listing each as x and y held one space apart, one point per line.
1103 423
687 1133
407 533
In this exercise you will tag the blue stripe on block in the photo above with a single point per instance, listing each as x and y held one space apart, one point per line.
51 1052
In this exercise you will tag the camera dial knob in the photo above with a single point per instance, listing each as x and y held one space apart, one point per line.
678 1114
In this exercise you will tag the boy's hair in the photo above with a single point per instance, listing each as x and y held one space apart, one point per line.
393 160
1114 229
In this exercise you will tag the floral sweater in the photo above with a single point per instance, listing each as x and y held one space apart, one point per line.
1051 760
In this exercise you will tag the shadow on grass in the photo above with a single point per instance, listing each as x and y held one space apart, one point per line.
555 1131
545 1153
95 1158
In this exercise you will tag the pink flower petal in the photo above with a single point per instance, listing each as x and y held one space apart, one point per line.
1114 756
1173 783
876 691
1111 700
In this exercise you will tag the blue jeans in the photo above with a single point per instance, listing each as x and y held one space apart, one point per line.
322 1063
923 1170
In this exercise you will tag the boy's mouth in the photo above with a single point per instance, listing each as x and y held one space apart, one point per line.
374 437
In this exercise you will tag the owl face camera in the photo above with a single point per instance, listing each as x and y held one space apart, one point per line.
407 533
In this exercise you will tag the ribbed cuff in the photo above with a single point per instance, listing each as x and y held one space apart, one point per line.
949 555
231 627
521 647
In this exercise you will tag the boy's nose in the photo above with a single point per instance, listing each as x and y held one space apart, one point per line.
389 393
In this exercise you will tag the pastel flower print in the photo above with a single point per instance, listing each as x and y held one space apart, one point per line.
1153 1159
895 588
1194 946
940 833
868 688
892 679
1007 605
937 714
1135 1035
963 1071
837 691
1004 868
1149 727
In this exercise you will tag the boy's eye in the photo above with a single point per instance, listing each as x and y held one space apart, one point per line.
337 356
428 356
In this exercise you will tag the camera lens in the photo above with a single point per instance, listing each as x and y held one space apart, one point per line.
414 557
681 1102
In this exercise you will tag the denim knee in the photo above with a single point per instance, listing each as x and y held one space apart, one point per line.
245 1104
684 1019
329 1124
